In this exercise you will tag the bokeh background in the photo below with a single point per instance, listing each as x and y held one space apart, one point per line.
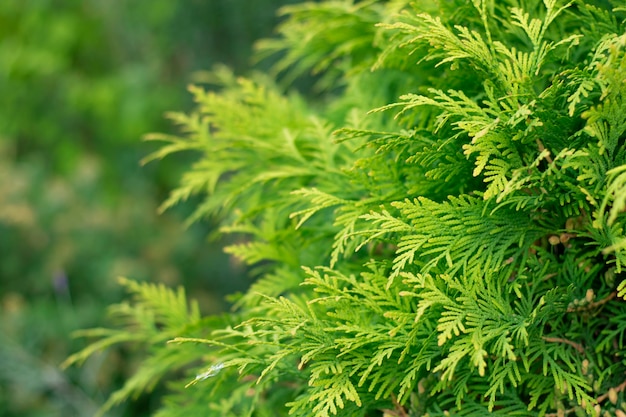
80 83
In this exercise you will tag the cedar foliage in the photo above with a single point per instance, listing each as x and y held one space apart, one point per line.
441 235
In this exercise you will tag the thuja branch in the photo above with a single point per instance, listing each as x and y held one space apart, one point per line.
542 148
593 305
573 344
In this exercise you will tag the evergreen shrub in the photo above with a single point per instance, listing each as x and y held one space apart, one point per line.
440 234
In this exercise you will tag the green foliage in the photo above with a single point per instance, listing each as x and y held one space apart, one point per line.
157 315
81 82
458 250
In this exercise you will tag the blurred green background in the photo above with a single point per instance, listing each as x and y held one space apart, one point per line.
80 83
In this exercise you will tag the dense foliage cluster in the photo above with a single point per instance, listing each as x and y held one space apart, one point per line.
442 234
